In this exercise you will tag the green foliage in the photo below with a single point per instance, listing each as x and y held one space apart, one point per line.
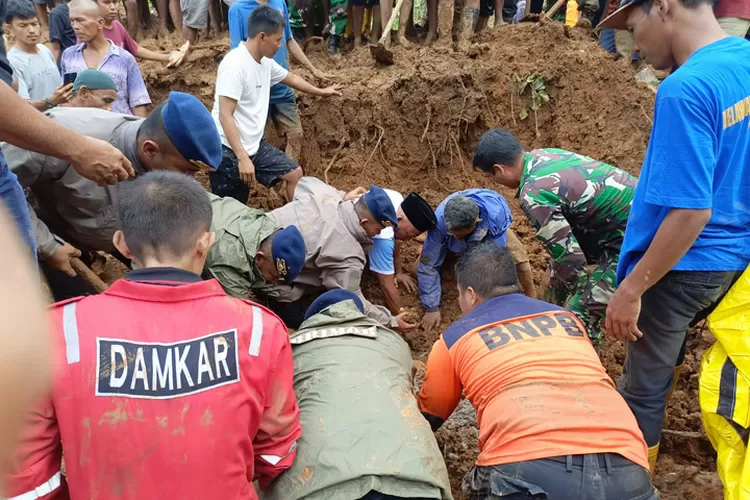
534 87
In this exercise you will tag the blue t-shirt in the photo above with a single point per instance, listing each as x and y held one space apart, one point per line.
60 29
698 157
239 12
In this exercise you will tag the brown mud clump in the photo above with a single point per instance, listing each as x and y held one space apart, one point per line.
412 126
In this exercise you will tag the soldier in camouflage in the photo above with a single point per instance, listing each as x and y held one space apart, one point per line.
579 208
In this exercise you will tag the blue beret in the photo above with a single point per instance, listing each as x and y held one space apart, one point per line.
381 207
330 298
288 252
191 129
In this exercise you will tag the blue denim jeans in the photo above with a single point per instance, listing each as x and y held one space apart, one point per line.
678 301
11 194
603 476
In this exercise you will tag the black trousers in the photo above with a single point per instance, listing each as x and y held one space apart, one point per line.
291 313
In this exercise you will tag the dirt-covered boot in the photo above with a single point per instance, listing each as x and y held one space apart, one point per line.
458 10
469 18
334 42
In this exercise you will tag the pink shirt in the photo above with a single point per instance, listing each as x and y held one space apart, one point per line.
120 37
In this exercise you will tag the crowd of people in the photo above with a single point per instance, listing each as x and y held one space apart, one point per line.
240 358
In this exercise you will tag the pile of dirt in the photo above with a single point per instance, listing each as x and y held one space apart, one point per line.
412 126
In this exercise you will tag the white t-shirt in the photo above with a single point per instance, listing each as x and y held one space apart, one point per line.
383 244
38 74
248 82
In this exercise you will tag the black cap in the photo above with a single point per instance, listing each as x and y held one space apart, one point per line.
419 212
618 19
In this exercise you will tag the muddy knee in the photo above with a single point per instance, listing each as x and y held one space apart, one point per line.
294 144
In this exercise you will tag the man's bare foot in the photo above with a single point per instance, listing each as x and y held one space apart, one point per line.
402 41
431 37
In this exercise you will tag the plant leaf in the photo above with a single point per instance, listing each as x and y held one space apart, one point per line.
523 114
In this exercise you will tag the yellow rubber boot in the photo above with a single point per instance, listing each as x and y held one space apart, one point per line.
653 453
675 377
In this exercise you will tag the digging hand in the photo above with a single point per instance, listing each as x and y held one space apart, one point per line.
60 260
409 284
431 320
177 57
320 74
331 91
403 325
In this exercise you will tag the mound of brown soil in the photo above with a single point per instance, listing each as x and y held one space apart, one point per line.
412 126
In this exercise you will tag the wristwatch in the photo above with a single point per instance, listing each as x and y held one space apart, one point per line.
48 104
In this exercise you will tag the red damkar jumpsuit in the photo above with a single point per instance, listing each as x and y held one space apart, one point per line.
166 388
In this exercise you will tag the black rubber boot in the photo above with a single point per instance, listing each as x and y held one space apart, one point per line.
334 41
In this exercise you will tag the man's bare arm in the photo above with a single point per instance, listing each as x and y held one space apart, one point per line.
25 360
56 49
299 83
390 292
299 55
676 234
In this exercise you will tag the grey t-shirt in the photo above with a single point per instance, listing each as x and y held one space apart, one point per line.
38 74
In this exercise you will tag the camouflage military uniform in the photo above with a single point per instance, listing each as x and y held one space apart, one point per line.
579 208
303 13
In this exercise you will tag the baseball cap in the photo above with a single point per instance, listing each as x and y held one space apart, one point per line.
288 252
380 206
619 18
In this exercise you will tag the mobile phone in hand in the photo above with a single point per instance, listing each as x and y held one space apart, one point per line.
69 78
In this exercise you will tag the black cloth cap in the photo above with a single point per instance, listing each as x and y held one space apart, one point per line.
419 212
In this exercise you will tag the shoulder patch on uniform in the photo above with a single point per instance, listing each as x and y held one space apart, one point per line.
165 371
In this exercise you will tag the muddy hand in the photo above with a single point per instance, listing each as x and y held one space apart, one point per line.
431 320
332 90
321 75
403 325
407 282
60 260
177 57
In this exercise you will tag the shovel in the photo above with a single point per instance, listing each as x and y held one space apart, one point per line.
380 52
87 274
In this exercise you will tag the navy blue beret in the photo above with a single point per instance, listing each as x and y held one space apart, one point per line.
381 207
330 298
288 252
191 129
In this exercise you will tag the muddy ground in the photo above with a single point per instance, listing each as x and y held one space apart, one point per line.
412 126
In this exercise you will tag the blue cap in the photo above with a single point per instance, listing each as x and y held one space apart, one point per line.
330 298
192 130
288 252
381 207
